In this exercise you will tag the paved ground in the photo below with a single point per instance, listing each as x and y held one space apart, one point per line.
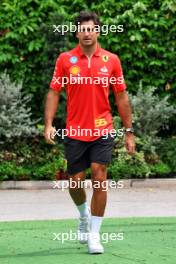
56 204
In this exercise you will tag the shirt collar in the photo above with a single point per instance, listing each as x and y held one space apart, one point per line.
96 53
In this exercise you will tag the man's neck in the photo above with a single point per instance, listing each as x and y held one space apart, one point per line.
89 51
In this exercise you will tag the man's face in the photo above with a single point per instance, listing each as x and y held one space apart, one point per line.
88 34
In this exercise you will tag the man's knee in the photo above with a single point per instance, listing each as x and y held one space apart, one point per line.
99 172
76 182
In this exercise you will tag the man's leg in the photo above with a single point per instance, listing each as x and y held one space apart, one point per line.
98 204
99 198
78 195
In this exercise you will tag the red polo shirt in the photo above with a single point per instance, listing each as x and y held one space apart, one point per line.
88 107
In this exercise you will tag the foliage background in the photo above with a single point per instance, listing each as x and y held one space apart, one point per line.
29 48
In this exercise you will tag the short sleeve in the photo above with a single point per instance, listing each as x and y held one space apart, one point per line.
56 82
120 85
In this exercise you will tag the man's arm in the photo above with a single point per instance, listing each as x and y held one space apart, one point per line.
124 109
51 105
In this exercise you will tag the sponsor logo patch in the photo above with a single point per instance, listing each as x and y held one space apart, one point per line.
73 59
100 122
75 70
104 69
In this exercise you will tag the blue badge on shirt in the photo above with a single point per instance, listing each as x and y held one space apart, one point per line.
73 59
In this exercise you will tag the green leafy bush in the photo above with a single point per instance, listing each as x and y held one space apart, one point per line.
48 170
125 166
28 45
167 152
151 113
12 171
31 159
15 115
29 48
157 157
160 169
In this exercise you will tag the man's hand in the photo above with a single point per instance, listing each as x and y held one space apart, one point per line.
49 134
51 104
130 143
124 109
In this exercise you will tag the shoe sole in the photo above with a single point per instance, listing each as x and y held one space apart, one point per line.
95 251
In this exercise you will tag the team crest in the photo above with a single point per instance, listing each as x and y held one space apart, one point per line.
105 58
75 70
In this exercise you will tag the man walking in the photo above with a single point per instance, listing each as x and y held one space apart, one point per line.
88 111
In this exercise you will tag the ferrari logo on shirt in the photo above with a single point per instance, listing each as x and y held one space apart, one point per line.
75 70
100 122
105 58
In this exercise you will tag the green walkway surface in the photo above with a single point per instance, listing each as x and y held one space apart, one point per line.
146 241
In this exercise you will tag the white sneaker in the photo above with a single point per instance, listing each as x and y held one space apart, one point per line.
94 245
83 229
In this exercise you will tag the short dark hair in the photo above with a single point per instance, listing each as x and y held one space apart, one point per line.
86 16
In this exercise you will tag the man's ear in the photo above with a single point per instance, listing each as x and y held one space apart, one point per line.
77 34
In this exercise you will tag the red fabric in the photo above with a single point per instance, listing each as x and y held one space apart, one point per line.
87 104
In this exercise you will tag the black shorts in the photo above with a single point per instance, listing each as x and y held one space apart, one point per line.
80 154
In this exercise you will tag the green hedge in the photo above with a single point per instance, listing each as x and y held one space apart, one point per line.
28 46
31 159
